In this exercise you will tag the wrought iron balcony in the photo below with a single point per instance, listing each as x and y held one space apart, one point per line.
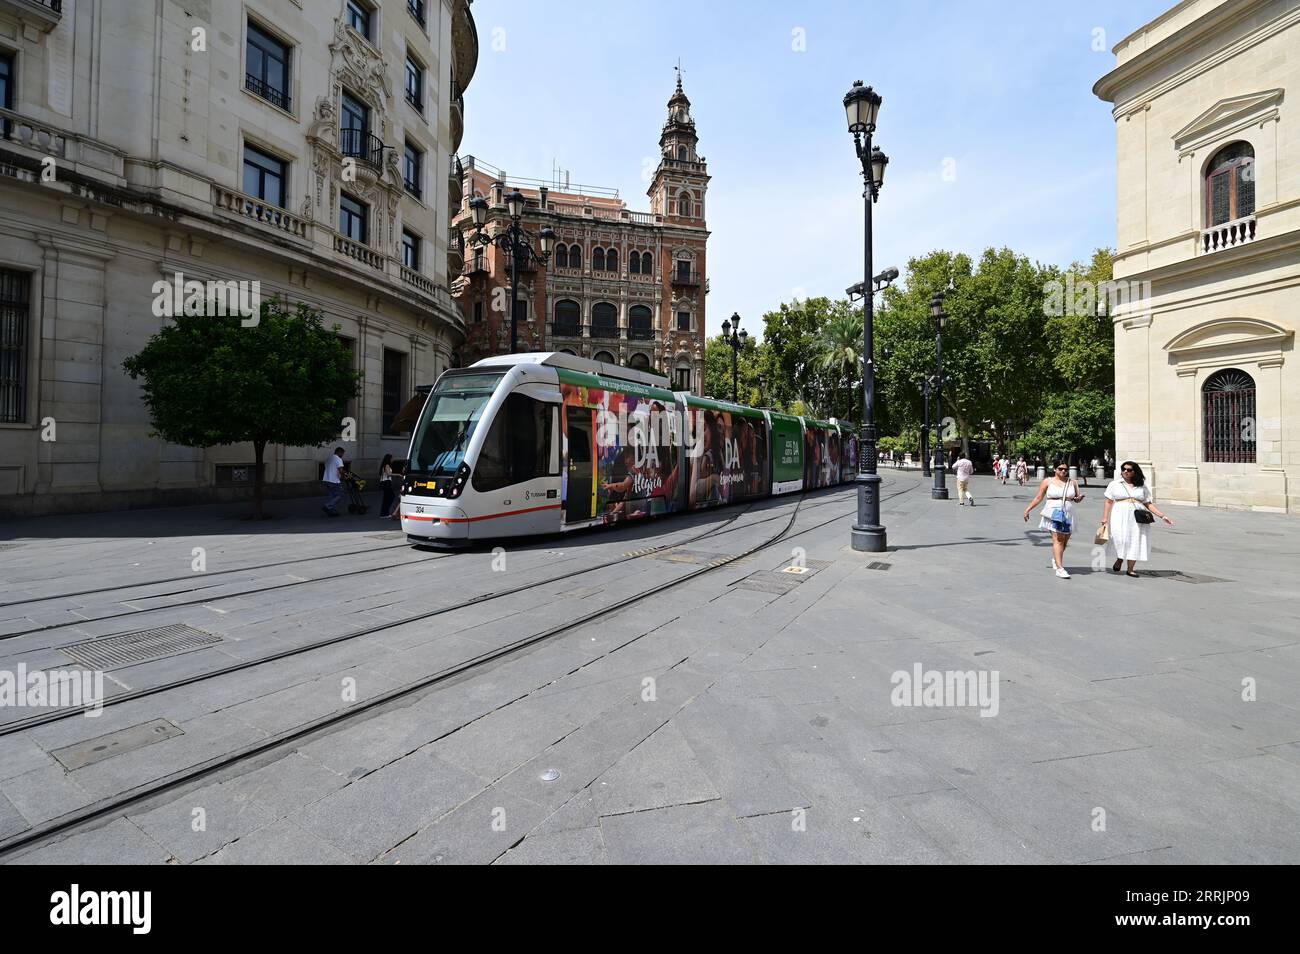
682 276
477 265
274 96
566 329
641 333
362 145
606 331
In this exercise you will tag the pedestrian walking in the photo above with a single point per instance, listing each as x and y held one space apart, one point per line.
963 467
399 476
332 481
386 485
1126 521
1061 494
1022 470
1005 466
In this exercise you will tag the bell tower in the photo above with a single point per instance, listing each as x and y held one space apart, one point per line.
677 190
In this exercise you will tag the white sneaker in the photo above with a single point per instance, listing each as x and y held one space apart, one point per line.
1062 573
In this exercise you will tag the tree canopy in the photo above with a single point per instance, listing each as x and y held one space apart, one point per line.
209 381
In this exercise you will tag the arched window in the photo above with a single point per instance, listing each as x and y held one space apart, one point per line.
634 263
575 256
568 351
561 256
1230 184
568 318
604 356
640 323
604 320
598 259
611 260
683 153
639 361
1228 406
684 204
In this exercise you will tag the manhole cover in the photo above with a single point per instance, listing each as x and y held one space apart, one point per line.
114 652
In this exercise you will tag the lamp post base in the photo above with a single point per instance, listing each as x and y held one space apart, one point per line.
938 493
869 539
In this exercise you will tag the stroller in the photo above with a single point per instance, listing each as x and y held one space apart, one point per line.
354 486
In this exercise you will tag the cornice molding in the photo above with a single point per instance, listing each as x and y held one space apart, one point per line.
1226 117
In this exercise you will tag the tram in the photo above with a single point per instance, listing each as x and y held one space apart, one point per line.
539 443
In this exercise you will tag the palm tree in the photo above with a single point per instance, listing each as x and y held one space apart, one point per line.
840 351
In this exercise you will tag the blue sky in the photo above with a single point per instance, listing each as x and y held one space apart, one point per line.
998 95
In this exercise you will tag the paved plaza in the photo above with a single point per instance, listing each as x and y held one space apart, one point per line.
737 713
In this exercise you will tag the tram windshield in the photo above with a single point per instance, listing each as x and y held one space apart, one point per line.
448 421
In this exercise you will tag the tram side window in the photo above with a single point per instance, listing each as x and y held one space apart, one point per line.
518 447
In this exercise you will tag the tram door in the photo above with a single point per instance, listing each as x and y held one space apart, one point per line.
578 501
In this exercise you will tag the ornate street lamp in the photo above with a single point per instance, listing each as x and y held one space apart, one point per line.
736 342
515 241
862 106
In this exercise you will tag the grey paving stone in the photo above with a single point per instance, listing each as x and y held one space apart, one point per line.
504 739
661 771
120 842
43 794
19 755
706 833
389 805
965 829
285 785
577 846
220 814
11 819
476 832
578 812
279 843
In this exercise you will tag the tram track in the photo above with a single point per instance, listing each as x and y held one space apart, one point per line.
116 804
216 598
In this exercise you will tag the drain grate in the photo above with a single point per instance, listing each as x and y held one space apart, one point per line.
878 565
115 652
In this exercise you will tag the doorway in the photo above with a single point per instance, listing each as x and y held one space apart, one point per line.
578 497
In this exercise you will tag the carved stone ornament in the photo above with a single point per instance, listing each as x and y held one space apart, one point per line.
324 125
364 67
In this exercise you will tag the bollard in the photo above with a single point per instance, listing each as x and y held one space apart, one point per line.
1040 472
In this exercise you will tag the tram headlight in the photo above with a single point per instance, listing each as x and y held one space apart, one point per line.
462 475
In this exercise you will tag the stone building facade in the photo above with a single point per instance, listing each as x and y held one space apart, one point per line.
1206 384
621 286
308 145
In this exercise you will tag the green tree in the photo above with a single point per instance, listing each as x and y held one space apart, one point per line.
717 370
794 369
1072 421
840 360
1080 340
210 381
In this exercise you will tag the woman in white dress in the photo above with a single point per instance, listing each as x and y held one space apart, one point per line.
1126 495
1061 493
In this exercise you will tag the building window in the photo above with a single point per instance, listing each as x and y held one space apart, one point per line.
575 256
682 153
478 311
1228 403
354 127
604 356
683 321
415 84
604 320
640 323
358 17
683 270
394 386
6 80
264 176
634 263
267 72
14 311
639 362
598 259
684 204
611 260
521 310
682 379
561 256
568 318
410 250
412 165
351 345
1230 184
416 9
352 218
